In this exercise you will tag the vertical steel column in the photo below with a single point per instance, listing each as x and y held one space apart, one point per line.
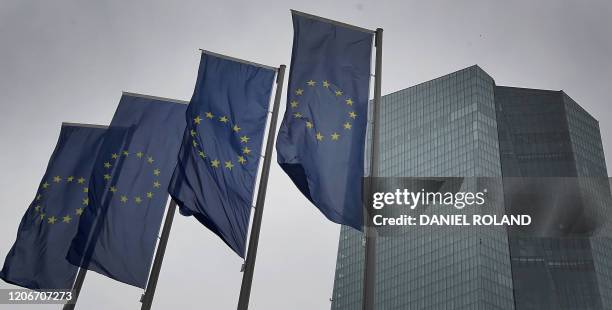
369 270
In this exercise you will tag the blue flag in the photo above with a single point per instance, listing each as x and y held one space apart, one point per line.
321 140
215 175
37 260
118 232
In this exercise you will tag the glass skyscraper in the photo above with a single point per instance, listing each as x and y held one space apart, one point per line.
546 134
463 125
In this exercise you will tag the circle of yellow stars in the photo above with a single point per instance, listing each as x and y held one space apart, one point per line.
216 163
82 182
311 85
124 198
41 213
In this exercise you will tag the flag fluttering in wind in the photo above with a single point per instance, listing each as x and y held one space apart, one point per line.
37 260
217 167
321 141
118 232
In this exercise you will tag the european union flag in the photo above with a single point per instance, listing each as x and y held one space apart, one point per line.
118 233
37 260
321 140
215 175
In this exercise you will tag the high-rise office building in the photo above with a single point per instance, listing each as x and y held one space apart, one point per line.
546 135
463 125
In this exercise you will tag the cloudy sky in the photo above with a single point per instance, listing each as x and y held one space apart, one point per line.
68 60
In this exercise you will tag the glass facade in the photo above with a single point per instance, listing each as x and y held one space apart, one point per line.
547 134
444 127
463 125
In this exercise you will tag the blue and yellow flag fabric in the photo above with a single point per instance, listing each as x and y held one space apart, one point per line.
217 167
118 233
321 140
37 260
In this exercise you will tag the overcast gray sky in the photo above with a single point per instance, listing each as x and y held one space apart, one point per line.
67 60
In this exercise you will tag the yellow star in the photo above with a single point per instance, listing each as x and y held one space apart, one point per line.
194 143
57 179
78 211
246 150
114 156
85 201
150 195
81 180
107 165
37 208
349 101
197 120
223 119
308 124
150 160
319 136
67 219
229 165
236 128
347 125
156 184
352 115
193 132
156 172
123 198
139 154
325 84
138 200
311 83
215 163
113 189
299 92
297 115
294 104
52 220
85 190
45 185
244 139
201 153
126 153
42 216
70 179
338 93
107 176
209 115
335 136
38 197
241 160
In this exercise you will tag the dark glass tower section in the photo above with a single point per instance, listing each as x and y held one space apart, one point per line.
545 134
463 125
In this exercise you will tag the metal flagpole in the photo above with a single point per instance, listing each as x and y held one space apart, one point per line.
147 297
369 272
76 289
247 277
